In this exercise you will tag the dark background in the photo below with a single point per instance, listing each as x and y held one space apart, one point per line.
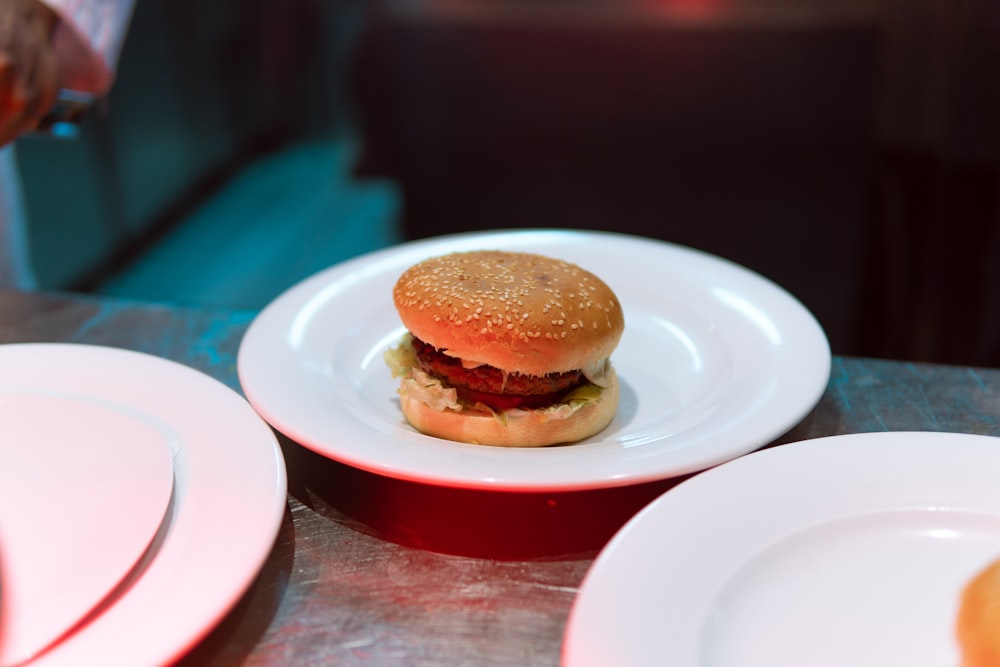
849 151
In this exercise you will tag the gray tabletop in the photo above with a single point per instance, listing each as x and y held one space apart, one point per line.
368 570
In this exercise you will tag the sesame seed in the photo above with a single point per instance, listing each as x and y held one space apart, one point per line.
501 292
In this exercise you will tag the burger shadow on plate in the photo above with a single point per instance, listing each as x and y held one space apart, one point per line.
500 525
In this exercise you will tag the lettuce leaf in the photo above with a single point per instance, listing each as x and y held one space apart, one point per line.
573 401
402 358
431 391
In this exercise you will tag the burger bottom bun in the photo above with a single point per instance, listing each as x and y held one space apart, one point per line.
978 626
523 428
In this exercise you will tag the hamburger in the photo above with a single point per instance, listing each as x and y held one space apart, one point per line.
978 623
506 348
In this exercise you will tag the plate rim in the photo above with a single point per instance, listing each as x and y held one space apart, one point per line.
254 341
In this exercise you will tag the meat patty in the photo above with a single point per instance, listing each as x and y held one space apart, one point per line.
490 380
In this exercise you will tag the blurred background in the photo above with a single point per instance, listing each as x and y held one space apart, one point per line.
847 149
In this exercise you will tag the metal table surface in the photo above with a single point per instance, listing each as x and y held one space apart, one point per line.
373 571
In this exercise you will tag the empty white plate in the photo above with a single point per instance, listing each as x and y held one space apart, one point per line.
228 502
847 550
83 490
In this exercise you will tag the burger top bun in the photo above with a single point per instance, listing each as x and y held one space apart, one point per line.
978 624
518 312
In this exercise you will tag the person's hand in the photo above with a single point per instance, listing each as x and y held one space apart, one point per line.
29 71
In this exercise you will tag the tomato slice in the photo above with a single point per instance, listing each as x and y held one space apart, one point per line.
508 401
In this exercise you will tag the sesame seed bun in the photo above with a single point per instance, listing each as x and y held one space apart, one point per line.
978 625
518 312
523 428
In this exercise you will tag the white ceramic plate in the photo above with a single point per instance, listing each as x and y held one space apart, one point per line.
847 550
228 497
715 361
83 492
